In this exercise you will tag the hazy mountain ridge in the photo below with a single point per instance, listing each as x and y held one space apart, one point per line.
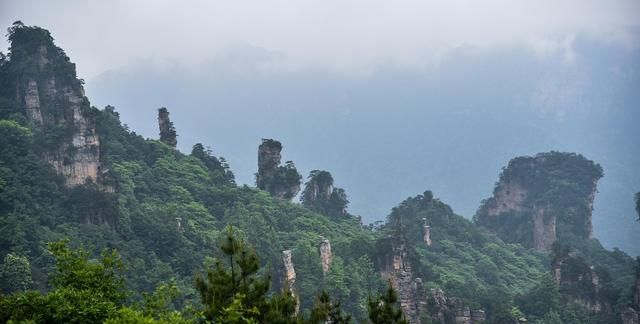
484 107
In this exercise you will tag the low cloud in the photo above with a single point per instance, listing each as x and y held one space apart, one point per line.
348 36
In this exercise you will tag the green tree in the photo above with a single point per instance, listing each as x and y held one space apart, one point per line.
84 291
218 168
168 133
385 309
233 290
550 318
325 311
15 273
320 195
543 298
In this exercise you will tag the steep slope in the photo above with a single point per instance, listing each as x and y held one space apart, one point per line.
162 209
545 202
41 83
165 210
480 270
541 198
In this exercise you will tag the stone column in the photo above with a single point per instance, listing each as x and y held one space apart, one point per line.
325 255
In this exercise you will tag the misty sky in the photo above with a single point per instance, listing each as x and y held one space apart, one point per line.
352 37
392 97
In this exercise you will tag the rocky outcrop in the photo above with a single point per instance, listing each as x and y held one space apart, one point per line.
52 98
325 255
544 230
578 281
280 181
631 315
289 277
167 131
536 194
319 194
420 305
426 230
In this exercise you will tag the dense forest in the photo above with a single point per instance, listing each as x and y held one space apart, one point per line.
98 224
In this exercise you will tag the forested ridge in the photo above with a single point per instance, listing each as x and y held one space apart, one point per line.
153 234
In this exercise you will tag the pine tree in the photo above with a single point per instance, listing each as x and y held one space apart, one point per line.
324 311
385 309
233 291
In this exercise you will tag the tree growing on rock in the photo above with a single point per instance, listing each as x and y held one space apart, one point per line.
167 130
319 194
385 308
281 181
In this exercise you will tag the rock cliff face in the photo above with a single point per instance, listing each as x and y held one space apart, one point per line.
426 237
282 182
450 309
325 255
289 277
536 196
631 315
52 98
420 305
167 131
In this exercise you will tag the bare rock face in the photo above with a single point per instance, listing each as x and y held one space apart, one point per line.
325 255
426 233
290 275
32 101
536 194
281 181
544 230
52 98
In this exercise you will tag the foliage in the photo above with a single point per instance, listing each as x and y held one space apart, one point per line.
234 283
218 168
83 291
164 211
385 308
320 195
15 273
560 183
326 311
463 261
282 181
168 133
541 300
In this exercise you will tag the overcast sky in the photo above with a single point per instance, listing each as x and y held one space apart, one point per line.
351 37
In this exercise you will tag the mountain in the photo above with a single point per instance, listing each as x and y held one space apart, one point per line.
541 198
474 105
71 171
